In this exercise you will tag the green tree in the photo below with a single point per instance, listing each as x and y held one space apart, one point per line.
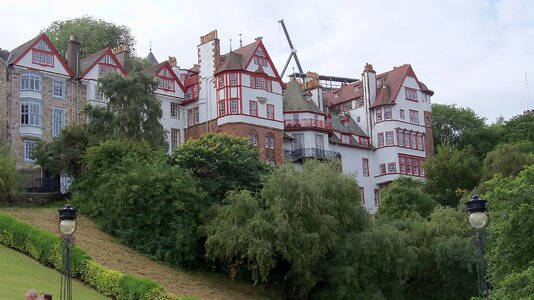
403 197
451 124
94 35
510 248
451 170
520 128
290 230
10 180
508 160
222 163
132 111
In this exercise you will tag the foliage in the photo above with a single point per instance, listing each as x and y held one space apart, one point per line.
134 194
444 265
138 64
133 111
510 248
94 35
508 160
404 196
516 286
222 163
300 229
46 248
10 181
520 128
64 153
451 123
451 170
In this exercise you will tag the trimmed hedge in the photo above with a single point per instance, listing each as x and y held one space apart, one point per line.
47 249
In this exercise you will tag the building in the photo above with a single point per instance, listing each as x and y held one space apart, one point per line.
380 127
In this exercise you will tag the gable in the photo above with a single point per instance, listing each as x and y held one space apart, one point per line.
42 55
260 61
167 80
101 63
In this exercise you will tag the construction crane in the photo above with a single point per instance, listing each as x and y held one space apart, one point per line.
293 51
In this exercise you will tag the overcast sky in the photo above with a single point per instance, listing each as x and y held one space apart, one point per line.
472 53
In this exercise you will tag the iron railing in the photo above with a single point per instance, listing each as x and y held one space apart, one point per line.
316 153
43 185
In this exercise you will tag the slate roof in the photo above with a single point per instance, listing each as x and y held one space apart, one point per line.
236 60
352 127
90 60
153 69
22 48
4 55
294 101
151 58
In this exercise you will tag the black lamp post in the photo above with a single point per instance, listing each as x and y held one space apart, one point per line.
67 226
479 219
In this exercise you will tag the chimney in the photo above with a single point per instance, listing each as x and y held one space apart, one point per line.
209 54
122 53
369 84
73 55
172 61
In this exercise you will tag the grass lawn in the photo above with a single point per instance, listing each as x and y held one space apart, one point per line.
19 273
103 249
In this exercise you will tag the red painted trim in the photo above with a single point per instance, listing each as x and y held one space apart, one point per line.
54 50
277 77
262 118
168 66
45 52
117 63
304 111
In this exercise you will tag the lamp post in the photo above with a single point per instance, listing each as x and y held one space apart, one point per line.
67 226
479 219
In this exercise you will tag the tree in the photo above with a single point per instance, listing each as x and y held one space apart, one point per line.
508 160
520 128
132 111
451 170
404 197
94 35
306 231
222 163
510 248
450 124
10 180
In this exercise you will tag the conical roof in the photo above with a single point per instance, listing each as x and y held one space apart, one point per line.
294 101
151 58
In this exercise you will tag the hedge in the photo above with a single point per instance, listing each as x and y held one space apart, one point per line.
47 249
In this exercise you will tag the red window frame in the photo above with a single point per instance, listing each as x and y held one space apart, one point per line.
380 137
253 112
382 169
378 115
162 78
365 167
411 94
388 143
414 116
402 116
39 51
411 165
222 108
270 111
388 113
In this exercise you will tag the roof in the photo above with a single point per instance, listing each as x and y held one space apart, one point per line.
237 59
22 48
153 70
151 58
4 55
294 101
89 61
351 127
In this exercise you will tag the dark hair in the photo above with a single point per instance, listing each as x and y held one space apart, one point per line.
47 296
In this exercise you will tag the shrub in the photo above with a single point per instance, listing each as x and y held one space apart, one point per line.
46 248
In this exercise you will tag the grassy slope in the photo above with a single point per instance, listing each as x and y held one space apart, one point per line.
103 249
19 273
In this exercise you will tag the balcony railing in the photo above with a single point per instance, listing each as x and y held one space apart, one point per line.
316 153
307 123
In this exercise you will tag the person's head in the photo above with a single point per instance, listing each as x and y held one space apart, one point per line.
31 295
45 296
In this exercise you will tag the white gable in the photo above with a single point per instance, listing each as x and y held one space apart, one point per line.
42 57
260 58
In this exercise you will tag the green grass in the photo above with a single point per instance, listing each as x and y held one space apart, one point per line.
19 273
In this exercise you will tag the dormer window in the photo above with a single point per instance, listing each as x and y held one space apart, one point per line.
42 54
106 65
259 58
165 80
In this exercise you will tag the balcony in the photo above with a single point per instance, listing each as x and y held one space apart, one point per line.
314 153
307 123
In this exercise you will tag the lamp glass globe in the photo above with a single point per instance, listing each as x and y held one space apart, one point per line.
67 227
478 219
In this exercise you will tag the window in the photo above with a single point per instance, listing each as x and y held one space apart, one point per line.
319 142
365 167
414 117
362 195
359 102
269 141
407 140
30 113
221 81
296 119
175 110
419 142
402 114
414 141
260 59
222 108
427 121
107 60
377 197
175 139
400 138
346 106
28 148
392 167
31 82
58 121
105 69
411 94
252 82
165 80
298 142
382 168
253 137
387 113
42 54
261 83
378 114
364 141
411 165
270 111
253 108
233 79
192 116
380 139
389 138
58 89
426 97
345 138
234 107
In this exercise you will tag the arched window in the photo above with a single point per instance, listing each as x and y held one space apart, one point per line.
253 137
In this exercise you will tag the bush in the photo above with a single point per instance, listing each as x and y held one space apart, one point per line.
46 248
9 177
